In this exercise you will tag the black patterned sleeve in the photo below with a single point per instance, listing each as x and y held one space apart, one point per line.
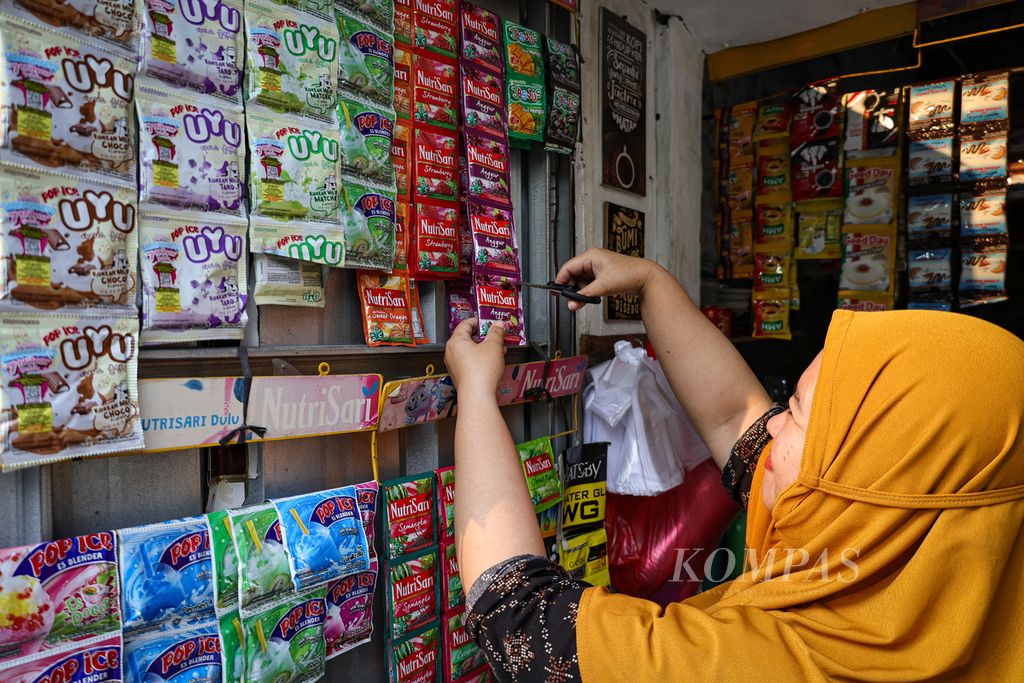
522 614
738 472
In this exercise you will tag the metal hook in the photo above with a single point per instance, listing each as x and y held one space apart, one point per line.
324 369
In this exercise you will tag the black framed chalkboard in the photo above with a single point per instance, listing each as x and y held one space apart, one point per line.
623 105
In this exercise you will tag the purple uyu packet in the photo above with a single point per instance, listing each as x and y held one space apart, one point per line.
461 303
487 162
481 38
495 253
483 101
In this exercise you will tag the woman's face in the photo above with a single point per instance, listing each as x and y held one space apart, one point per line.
788 430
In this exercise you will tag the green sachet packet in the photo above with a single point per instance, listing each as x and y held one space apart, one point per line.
538 462
286 641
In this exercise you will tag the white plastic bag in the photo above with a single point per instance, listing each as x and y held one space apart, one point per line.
631 405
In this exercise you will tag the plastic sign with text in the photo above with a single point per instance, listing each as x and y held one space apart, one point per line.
189 412
305 406
408 402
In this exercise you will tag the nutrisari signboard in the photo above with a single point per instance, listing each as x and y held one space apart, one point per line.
623 105
623 234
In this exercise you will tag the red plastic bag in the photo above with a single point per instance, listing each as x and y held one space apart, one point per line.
648 536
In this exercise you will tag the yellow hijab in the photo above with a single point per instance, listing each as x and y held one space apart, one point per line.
914 460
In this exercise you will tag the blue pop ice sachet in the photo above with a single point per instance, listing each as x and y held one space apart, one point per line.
166 575
324 535
180 656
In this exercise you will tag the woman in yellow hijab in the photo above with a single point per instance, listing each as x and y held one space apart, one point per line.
884 523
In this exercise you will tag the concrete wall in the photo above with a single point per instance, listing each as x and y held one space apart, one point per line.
675 70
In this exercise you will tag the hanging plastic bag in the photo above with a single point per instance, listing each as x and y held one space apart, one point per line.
631 405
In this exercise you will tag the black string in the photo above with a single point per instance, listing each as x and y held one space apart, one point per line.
242 431
540 392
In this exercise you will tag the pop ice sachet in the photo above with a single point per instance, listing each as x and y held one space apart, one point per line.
368 220
58 592
379 12
263 565
166 574
367 133
350 610
194 282
286 641
179 656
293 60
67 242
366 58
412 597
323 532
224 559
232 646
368 498
191 152
195 45
114 22
97 660
312 242
409 514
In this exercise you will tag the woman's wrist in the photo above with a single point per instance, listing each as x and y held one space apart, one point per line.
653 273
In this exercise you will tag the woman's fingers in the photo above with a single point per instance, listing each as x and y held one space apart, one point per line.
466 329
577 269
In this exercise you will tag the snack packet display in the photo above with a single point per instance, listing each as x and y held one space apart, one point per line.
412 597
983 157
292 60
58 592
166 575
350 611
452 592
483 101
419 334
324 535
288 282
983 214
929 268
194 279
368 219
501 304
461 303
409 514
930 216
869 257
871 128
286 641
435 241
434 164
480 31
188 654
774 225
488 168
772 269
740 124
403 82
445 502
378 12
387 320
741 244
367 133
435 88
739 186
433 25
115 23
816 113
584 472
366 58
773 182
293 168
263 564
224 559
368 498
461 655
585 557
70 112
931 109
982 275
771 314
197 47
312 242
818 231
538 462
66 242
401 160
930 161
93 661
772 121
984 100
70 387
524 80
403 21
563 120
191 152
815 169
416 657
232 647
872 192
865 301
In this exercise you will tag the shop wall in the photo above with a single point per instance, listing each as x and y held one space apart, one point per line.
675 68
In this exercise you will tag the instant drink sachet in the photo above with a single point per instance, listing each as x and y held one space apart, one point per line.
166 574
387 320
263 569
225 560
367 133
368 497
409 514
232 639
284 281
97 660
445 503
323 532
462 656
417 657
537 459
412 597
452 592
367 58
286 642
350 610
183 655
58 592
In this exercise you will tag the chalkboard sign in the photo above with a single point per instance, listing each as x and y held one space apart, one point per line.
623 105
624 234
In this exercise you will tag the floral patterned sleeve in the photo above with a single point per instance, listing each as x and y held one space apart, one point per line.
738 472
522 614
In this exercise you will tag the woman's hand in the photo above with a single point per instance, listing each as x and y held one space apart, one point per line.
599 272
476 367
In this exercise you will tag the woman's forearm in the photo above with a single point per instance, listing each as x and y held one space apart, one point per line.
494 517
713 383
